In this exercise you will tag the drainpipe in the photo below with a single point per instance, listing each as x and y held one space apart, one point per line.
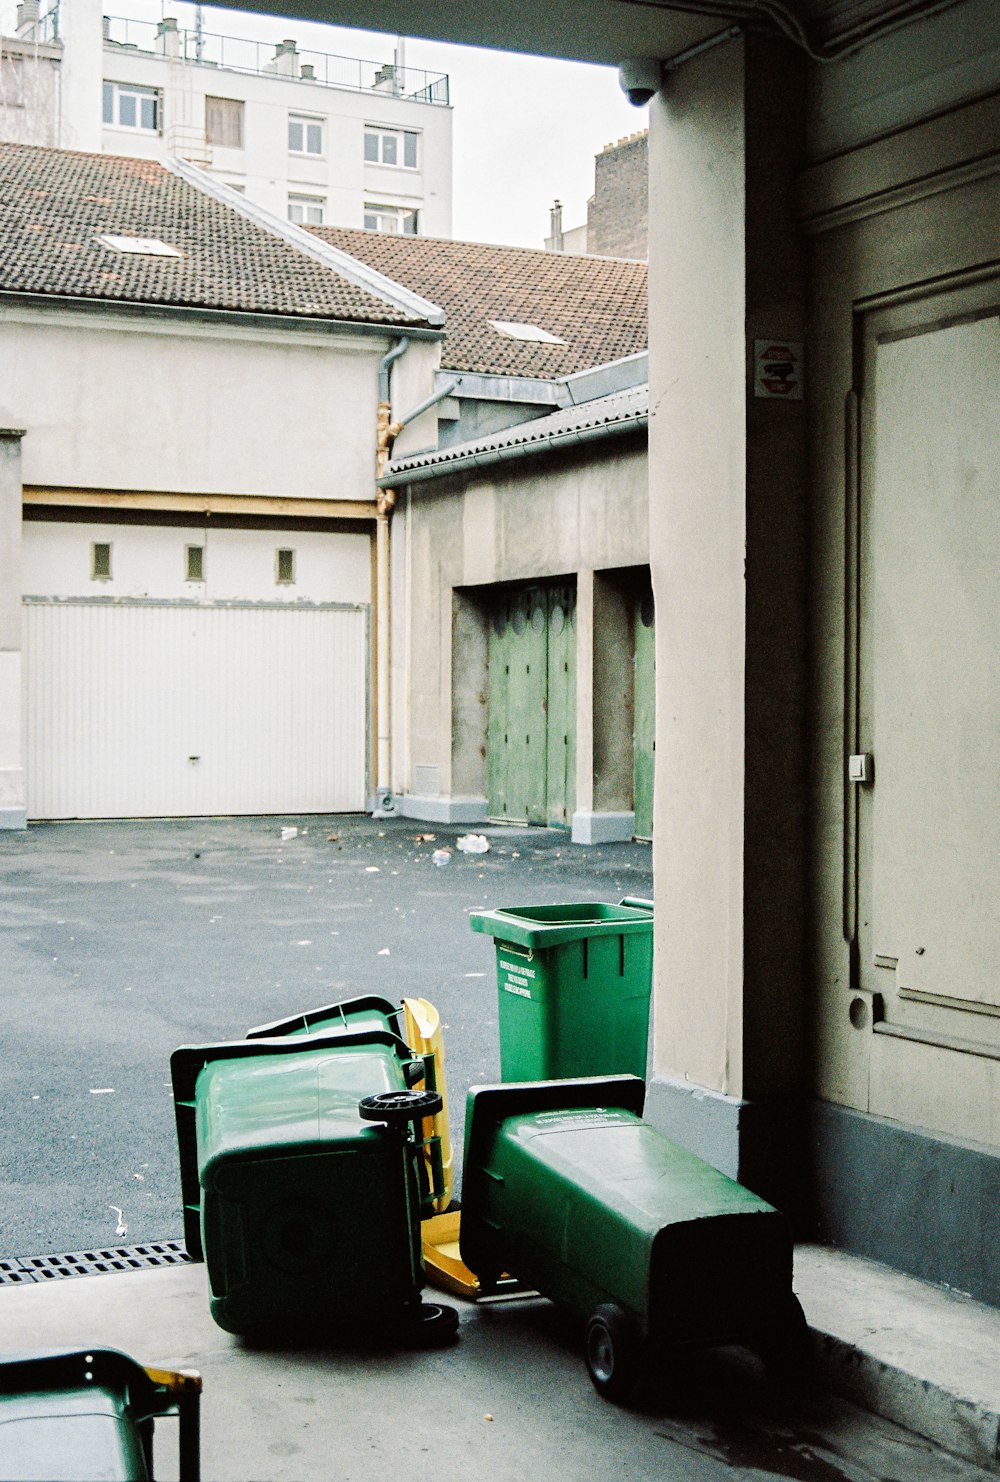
386 433
385 500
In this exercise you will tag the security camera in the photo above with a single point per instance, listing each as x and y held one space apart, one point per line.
639 78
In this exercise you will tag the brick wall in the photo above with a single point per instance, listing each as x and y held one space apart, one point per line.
617 212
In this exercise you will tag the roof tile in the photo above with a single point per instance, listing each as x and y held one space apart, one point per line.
55 204
597 305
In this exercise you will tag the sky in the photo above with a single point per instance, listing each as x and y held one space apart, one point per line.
526 129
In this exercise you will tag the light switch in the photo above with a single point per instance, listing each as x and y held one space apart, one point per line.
861 767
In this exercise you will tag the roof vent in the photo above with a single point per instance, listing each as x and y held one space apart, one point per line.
147 246
528 332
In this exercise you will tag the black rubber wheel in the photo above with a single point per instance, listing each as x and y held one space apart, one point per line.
612 1352
397 1108
786 1346
433 1324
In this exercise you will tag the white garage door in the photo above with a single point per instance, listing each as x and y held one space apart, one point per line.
158 709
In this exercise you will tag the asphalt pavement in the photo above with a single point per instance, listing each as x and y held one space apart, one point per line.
120 941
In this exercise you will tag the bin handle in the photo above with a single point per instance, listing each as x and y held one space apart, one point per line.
515 948
637 902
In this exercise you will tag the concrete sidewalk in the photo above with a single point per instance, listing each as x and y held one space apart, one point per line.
511 1399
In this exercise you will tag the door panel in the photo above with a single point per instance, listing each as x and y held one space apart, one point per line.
929 850
531 751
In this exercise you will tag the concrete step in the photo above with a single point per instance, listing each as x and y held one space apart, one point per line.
923 1356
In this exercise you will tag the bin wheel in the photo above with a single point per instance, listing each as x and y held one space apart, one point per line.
785 1346
433 1324
613 1350
397 1108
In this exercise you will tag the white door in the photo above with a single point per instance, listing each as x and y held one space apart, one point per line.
930 673
159 709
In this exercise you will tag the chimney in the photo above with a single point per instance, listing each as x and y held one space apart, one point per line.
168 37
556 227
286 61
27 17
307 72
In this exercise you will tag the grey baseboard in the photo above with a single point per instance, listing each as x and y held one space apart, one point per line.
926 1205
441 809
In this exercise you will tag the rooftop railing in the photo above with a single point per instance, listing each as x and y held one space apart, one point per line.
259 58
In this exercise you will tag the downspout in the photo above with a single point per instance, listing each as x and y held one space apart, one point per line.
387 432
385 500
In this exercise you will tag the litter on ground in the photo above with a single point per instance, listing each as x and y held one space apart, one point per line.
473 844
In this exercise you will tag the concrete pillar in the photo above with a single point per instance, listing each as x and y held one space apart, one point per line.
13 807
727 530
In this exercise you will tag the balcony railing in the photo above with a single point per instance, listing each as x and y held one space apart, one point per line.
239 54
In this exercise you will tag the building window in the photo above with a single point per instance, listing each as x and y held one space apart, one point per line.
399 219
306 210
100 560
128 107
390 147
194 563
305 135
224 122
284 567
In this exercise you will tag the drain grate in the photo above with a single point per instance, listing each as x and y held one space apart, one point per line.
102 1262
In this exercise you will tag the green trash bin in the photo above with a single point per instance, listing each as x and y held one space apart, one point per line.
305 1211
573 983
569 1190
88 1415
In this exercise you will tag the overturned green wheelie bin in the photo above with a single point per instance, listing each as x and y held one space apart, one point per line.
301 1180
80 1415
567 1188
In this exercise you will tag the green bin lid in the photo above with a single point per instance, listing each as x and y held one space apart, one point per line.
548 926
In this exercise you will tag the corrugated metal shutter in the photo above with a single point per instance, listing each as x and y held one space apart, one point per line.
150 709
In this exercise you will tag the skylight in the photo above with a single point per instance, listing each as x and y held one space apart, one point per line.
147 246
528 332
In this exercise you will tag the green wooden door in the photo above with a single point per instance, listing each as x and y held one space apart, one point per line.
531 751
560 752
644 734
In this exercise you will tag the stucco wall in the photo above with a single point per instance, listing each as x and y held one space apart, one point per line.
148 403
537 518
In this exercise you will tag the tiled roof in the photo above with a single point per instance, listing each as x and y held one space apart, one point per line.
597 305
55 204
620 412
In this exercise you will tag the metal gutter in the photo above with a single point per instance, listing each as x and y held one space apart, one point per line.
347 267
483 458
244 318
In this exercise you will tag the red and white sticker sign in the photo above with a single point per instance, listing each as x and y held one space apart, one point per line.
777 369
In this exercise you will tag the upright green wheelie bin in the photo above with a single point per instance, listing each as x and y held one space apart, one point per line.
88 1415
569 1190
573 983
305 1211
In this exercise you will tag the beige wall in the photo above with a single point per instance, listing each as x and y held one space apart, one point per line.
12 789
118 402
535 518
866 260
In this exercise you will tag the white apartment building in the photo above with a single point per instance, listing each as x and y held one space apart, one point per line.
317 138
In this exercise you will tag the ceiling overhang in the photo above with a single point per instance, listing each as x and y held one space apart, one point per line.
596 31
